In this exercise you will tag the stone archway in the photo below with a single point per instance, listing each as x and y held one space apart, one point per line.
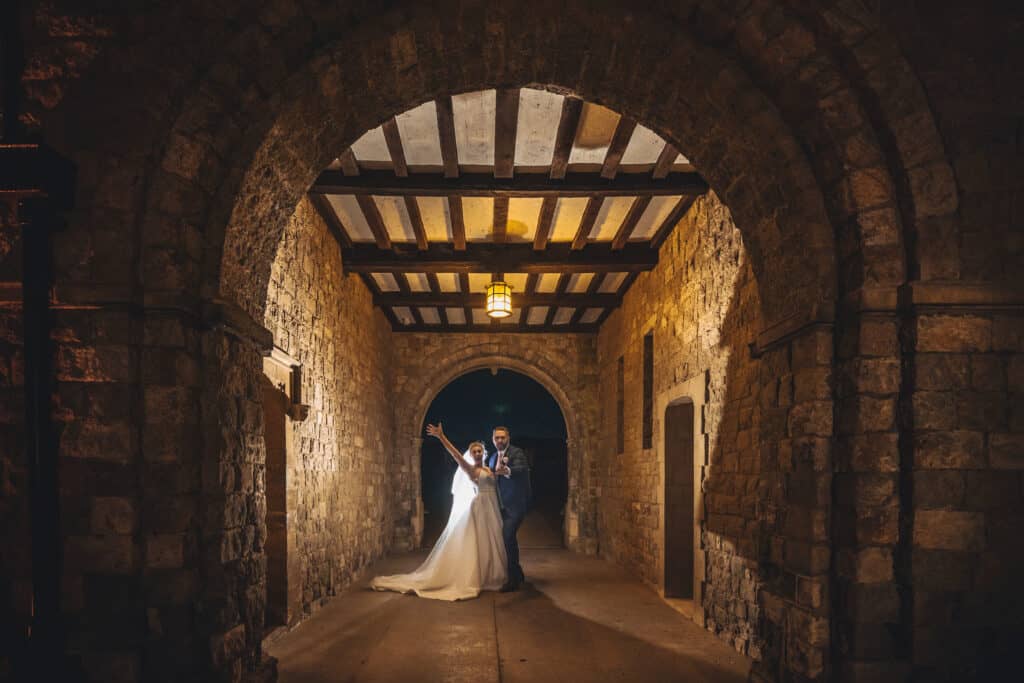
227 156
557 372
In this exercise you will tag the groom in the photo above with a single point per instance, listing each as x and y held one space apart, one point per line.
514 495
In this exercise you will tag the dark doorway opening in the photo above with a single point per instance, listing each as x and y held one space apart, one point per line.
470 407
679 519
275 416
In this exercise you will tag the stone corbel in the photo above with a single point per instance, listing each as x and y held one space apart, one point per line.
229 317
820 315
297 410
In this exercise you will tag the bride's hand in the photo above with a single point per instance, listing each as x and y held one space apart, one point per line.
435 431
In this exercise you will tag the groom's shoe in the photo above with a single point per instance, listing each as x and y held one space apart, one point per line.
509 587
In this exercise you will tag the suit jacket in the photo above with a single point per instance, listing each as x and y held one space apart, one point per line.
514 491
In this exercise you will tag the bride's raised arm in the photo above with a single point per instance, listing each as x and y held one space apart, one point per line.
438 432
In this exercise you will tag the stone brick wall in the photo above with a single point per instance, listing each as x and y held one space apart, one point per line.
342 496
767 423
565 364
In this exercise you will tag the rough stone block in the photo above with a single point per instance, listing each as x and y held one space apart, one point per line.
942 570
1006 451
989 490
954 333
949 530
939 488
941 371
949 450
934 410
113 515
876 452
867 565
110 554
165 551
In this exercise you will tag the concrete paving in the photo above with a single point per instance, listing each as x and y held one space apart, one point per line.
578 619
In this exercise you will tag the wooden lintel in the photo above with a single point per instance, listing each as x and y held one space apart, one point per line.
500 226
663 166
499 328
669 223
477 300
509 258
385 183
458 223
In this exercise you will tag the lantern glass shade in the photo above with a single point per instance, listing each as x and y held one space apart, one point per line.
499 299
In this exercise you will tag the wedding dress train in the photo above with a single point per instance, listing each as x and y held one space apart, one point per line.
469 556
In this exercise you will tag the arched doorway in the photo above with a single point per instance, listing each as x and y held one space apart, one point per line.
470 407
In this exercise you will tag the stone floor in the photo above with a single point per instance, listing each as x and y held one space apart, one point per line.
578 619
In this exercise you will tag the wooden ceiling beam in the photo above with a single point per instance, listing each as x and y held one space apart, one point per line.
636 210
509 258
572 107
663 166
458 222
500 227
589 300
385 183
334 224
394 142
349 165
491 328
412 207
682 206
587 223
617 147
446 132
374 220
506 119
544 220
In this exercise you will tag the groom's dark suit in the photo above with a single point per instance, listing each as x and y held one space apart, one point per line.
514 494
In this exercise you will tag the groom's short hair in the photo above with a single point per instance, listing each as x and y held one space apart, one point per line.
503 429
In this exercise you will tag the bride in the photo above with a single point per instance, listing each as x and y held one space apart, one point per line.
470 555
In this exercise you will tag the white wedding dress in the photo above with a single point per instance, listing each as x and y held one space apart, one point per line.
470 554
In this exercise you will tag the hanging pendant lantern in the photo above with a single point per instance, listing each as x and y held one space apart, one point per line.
499 299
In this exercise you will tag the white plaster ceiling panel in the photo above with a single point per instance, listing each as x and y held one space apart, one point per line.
566 221
372 147
517 281
578 282
456 316
437 222
473 113
429 315
480 317
537 315
611 283
396 218
512 319
478 217
418 282
644 147
478 282
681 160
591 315
563 315
593 134
385 282
546 283
610 216
523 213
653 216
346 208
404 314
448 282
420 139
537 127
